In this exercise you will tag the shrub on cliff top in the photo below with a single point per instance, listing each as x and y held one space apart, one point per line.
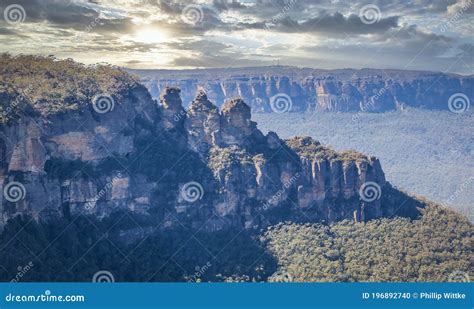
52 86
312 149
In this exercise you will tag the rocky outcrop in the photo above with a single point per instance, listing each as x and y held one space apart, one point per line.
316 90
65 164
203 123
201 168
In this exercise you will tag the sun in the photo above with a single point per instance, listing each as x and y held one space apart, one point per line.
150 35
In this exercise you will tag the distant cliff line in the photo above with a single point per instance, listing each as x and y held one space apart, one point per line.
289 89
90 140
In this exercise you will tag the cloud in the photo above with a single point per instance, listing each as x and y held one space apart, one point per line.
66 13
6 32
218 61
335 23
310 33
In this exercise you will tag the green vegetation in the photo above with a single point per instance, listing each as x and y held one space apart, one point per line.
398 249
75 249
219 158
50 86
312 149
429 249
425 152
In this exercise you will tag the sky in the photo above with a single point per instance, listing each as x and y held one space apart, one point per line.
329 34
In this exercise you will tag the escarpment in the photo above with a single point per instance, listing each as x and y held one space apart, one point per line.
204 167
316 90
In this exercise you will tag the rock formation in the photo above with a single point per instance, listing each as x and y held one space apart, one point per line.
316 90
202 168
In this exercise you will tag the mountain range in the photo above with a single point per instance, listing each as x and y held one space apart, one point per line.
291 89
89 157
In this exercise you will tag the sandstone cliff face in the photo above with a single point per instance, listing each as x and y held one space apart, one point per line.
58 160
316 90
202 167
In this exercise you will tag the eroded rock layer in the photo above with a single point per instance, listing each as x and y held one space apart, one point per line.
202 167
312 90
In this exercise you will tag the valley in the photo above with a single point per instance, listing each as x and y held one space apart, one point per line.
427 152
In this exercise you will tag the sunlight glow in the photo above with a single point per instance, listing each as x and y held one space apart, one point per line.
150 35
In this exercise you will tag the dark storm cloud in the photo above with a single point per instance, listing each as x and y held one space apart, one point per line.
408 40
65 13
69 14
335 23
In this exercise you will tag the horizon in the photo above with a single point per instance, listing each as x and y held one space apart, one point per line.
246 67
170 35
297 67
